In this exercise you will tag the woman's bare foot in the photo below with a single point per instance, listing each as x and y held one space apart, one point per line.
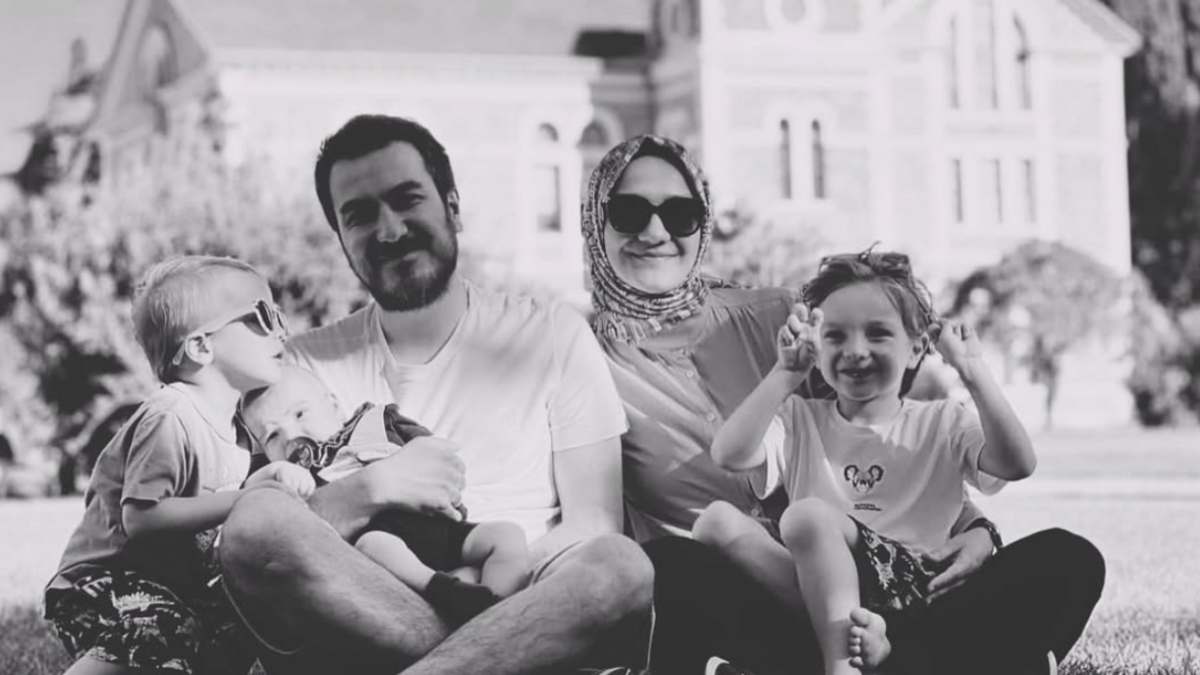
869 645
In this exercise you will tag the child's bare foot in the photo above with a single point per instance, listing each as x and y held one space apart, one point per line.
869 645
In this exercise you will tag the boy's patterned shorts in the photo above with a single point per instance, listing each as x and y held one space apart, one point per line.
891 576
121 617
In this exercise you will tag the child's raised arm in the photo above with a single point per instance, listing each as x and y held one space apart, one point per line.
1008 452
738 445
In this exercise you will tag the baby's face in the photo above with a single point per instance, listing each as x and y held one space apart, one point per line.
297 406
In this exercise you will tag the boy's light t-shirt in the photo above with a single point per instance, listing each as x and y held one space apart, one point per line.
903 479
172 446
518 380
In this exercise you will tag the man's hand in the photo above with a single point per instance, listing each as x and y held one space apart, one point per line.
961 557
425 476
295 478
796 343
957 343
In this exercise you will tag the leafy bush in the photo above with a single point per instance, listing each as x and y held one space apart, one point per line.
1165 381
1042 300
754 252
68 273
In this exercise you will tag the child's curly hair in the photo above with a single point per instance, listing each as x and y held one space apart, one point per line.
893 272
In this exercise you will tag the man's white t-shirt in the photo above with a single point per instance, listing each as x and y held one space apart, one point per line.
903 479
518 380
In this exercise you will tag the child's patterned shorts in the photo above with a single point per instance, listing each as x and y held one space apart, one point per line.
121 617
891 576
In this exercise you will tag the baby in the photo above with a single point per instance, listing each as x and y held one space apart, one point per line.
298 420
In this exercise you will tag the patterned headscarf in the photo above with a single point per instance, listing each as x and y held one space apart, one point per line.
624 312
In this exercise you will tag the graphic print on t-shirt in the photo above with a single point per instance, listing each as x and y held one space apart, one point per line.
863 480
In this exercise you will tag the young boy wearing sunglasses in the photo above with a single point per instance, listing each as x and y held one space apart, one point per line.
132 591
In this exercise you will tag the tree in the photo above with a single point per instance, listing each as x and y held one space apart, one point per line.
754 252
1162 107
1045 299
68 274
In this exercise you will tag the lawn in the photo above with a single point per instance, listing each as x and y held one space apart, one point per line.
1136 495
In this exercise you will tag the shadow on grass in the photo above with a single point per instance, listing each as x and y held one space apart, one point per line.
1126 643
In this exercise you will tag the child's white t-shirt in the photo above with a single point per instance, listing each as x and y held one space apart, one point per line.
518 380
903 479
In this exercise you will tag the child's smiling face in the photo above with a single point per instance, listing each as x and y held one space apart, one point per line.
296 406
864 348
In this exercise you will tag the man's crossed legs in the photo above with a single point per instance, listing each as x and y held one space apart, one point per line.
301 588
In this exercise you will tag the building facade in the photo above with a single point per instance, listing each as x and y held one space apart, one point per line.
950 129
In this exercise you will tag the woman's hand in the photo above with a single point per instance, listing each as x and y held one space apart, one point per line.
295 478
961 557
796 344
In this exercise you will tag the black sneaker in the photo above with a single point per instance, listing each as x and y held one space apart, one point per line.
719 666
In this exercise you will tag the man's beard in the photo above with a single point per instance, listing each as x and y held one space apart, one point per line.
406 290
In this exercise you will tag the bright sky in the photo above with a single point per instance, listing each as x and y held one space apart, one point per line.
35 44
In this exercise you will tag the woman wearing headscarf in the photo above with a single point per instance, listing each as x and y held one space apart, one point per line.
684 350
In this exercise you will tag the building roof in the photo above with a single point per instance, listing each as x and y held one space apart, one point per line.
1106 23
517 27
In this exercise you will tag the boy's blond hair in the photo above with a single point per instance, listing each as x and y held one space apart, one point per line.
172 299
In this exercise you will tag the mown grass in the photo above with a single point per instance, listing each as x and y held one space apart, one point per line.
1147 623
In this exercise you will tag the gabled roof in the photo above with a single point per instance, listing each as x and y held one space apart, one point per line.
1110 27
516 27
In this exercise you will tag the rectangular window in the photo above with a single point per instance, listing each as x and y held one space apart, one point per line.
956 184
1030 179
785 159
994 191
548 199
952 65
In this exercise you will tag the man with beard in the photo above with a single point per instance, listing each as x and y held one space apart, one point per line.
526 422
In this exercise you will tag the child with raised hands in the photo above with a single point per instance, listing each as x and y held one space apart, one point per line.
298 420
875 480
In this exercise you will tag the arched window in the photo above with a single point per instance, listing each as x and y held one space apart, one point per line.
593 143
1021 72
785 159
547 175
794 11
818 161
988 58
157 64
984 35
802 161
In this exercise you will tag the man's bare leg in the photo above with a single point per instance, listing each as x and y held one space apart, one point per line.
584 596
296 582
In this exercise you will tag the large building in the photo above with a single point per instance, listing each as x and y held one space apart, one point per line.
952 129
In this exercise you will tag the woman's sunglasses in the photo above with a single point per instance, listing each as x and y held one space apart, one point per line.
263 317
630 214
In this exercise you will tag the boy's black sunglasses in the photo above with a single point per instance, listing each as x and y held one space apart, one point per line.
264 317
630 214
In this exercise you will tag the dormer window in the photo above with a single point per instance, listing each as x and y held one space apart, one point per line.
678 18
157 63
804 15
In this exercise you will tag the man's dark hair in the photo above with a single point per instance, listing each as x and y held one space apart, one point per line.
365 134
